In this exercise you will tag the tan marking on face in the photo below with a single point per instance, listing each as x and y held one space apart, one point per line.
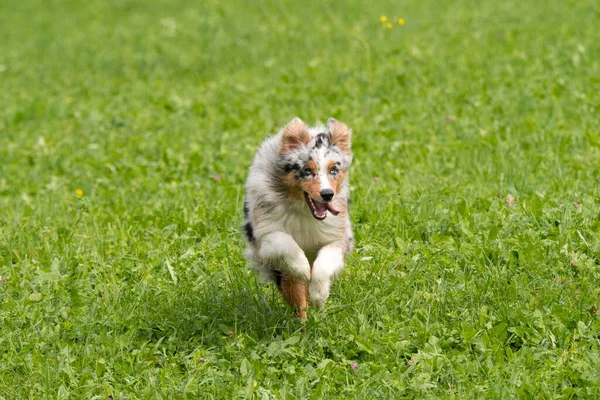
312 187
291 186
339 179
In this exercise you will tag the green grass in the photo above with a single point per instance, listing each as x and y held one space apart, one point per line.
138 288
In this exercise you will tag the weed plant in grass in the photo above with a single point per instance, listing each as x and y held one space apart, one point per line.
126 131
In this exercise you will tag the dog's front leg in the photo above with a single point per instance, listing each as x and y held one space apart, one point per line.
329 262
281 250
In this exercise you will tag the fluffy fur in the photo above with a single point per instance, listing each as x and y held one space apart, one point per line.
297 223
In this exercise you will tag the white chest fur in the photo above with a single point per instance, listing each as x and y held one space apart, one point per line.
312 234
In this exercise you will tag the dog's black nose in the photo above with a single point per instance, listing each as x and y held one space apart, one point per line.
327 194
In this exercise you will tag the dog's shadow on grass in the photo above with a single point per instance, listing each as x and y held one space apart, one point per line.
218 311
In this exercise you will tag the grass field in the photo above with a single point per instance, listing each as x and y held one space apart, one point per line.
126 131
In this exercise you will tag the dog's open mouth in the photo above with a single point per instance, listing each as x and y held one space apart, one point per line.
318 209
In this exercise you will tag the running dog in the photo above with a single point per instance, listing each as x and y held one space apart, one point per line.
296 210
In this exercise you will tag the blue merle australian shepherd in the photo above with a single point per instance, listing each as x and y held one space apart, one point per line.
296 210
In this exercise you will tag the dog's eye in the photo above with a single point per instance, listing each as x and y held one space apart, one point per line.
333 171
307 172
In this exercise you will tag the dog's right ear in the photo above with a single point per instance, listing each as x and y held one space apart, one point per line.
295 134
340 134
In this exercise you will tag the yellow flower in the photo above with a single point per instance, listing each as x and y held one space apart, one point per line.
79 192
383 18
389 25
401 21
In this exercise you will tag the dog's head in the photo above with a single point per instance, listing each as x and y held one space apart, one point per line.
313 164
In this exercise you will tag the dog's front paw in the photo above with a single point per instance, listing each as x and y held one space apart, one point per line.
300 268
318 291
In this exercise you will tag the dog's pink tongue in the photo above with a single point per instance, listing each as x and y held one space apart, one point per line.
320 209
331 209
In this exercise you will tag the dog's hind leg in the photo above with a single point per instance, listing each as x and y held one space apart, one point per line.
294 292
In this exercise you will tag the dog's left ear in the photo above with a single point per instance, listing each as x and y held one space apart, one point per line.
340 134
